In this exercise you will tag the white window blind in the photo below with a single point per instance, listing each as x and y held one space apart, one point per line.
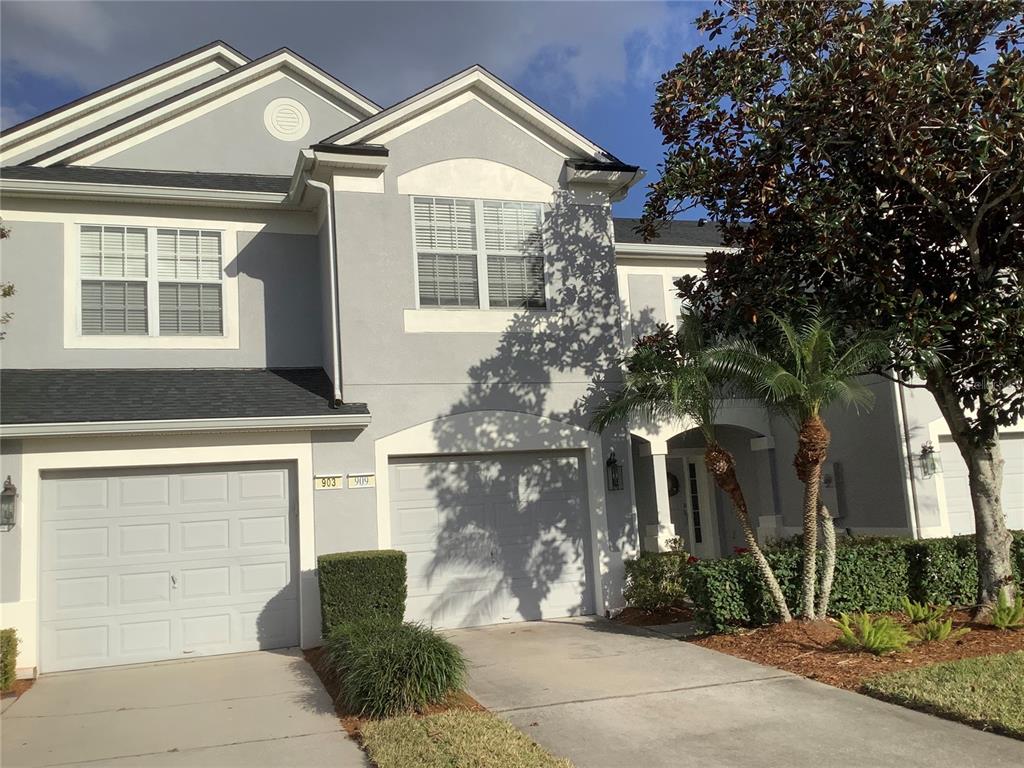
113 252
110 307
190 309
188 254
446 252
515 254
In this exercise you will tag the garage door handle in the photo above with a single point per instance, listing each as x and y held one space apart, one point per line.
174 581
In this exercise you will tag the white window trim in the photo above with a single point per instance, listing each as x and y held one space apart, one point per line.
483 289
75 339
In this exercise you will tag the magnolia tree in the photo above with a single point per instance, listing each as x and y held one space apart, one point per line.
869 159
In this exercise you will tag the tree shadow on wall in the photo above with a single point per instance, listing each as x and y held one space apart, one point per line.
518 527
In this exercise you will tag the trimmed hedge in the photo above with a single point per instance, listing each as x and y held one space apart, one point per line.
8 658
655 580
871 575
361 586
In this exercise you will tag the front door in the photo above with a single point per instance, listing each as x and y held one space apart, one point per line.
694 496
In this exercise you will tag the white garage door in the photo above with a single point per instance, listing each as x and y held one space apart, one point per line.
958 493
166 563
492 539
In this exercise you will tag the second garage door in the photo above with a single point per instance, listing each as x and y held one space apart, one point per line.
166 563
492 539
958 492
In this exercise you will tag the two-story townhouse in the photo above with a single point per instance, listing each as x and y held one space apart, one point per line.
259 318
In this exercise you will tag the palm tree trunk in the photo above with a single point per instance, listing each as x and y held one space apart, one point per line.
828 546
722 466
812 448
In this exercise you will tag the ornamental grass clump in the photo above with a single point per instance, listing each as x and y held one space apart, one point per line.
935 630
875 634
919 612
1007 615
387 668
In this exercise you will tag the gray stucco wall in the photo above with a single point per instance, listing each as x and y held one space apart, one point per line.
408 379
10 541
278 298
233 138
114 116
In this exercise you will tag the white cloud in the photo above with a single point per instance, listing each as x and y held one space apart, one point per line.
569 52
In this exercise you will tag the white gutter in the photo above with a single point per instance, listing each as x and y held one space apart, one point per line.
333 269
164 426
96 191
663 251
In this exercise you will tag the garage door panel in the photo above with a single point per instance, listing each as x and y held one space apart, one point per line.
125 583
492 539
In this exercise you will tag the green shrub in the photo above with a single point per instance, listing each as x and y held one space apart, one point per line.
8 658
874 634
359 586
386 668
655 580
919 612
1007 615
936 629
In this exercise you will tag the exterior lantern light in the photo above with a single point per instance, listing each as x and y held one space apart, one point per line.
929 461
7 499
613 472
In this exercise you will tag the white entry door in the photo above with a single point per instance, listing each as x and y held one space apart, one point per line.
166 563
492 539
695 497
958 492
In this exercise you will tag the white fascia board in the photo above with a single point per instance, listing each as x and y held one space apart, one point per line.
108 141
475 79
24 138
71 190
659 251
178 426
616 183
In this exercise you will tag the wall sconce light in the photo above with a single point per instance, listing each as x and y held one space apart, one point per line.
929 460
613 472
7 498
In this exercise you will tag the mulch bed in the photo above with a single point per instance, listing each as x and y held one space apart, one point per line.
810 649
353 723
635 617
20 686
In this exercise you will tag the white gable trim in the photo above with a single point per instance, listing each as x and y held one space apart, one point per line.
204 99
487 89
214 61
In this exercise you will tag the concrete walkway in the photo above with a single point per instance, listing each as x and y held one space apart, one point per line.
607 696
250 709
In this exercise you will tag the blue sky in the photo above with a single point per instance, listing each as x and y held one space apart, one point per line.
593 64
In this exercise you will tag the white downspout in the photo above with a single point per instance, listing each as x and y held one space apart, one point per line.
332 263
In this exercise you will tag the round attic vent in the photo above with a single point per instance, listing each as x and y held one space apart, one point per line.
286 119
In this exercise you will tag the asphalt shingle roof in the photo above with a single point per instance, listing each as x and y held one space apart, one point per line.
671 233
99 395
234 182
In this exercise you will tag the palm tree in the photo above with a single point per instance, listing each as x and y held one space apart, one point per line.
807 369
670 376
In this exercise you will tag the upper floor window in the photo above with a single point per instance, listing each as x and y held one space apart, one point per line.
140 281
479 253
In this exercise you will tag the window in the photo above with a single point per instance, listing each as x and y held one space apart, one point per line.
129 287
691 477
473 253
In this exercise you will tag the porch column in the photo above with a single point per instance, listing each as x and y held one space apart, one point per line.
659 533
768 520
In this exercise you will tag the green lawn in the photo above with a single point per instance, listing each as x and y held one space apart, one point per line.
453 739
986 692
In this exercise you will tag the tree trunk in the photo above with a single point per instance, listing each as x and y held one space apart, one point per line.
979 446
828 545
722 466
812 448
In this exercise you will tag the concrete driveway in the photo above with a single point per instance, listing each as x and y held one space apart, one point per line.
606 695
250 709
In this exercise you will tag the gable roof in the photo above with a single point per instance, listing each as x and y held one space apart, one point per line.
62 119
475 78
82 147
